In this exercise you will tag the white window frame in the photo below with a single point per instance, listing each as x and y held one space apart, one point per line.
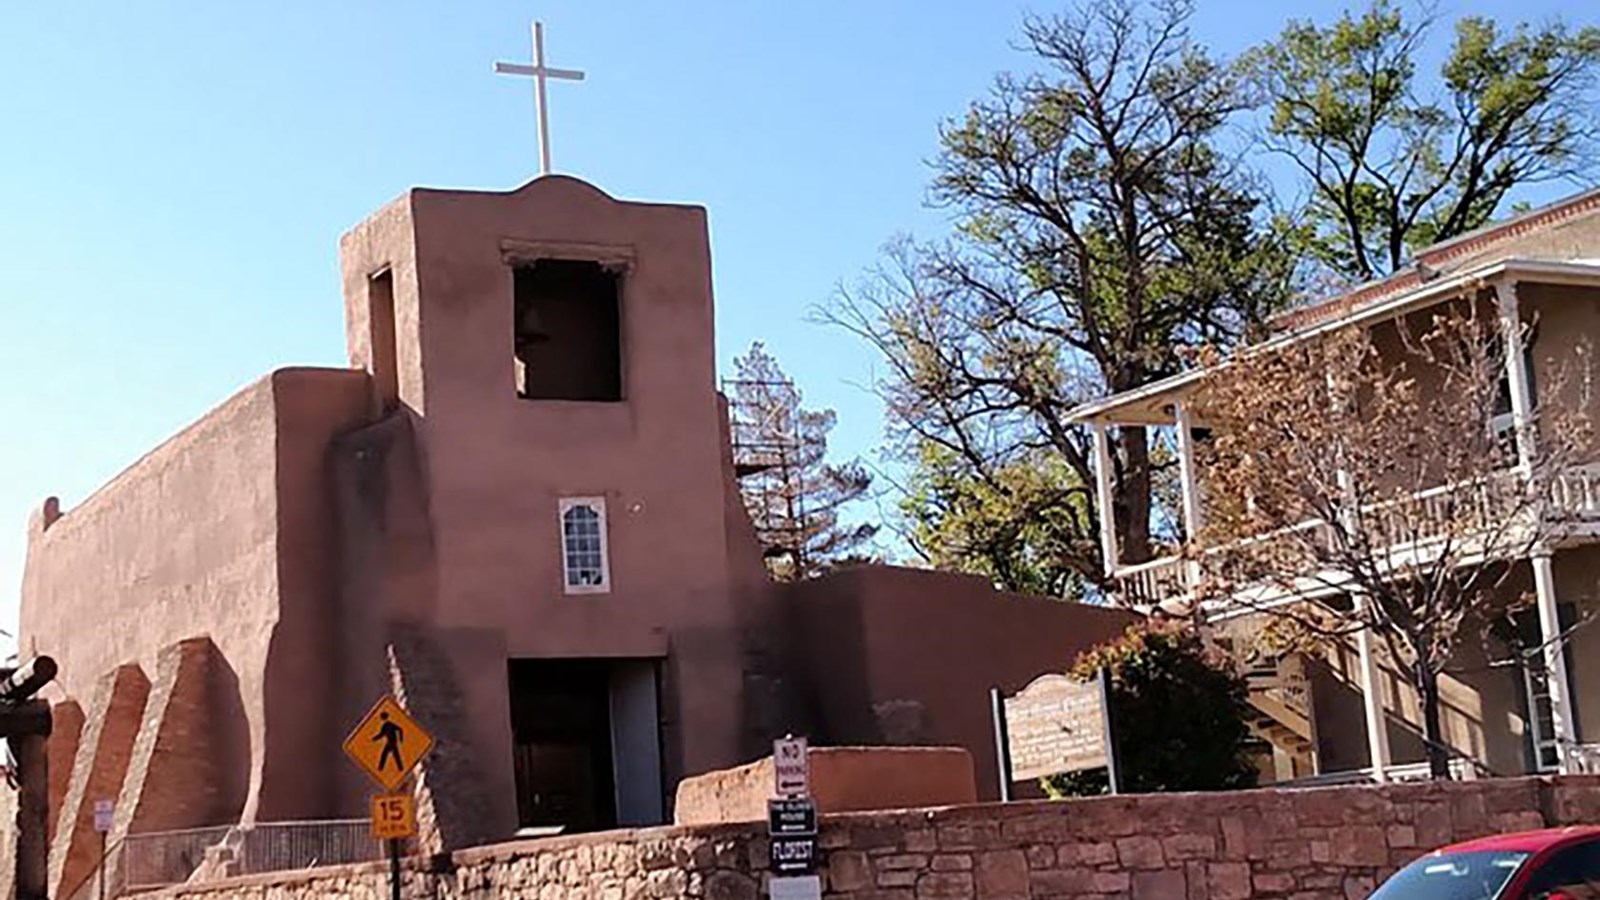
598 506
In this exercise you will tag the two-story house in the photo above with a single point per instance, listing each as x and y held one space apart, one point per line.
1345 711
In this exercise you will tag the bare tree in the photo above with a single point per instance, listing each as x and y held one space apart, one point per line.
793 493
1377 485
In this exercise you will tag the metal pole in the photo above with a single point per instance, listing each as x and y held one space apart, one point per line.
1002 748
1112 777
394 869
102 865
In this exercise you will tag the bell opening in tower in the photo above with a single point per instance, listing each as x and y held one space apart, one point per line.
568 331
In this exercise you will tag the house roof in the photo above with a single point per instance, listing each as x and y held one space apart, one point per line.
1442 257
1151 404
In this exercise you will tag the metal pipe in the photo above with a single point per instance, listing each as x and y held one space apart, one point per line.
27 680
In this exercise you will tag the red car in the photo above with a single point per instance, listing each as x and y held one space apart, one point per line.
1553 864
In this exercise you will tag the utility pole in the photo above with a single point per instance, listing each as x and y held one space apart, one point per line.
25 724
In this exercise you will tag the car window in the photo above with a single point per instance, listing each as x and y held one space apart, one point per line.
1573 872
1478 875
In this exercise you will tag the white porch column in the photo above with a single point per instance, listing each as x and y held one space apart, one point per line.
1512 334
1372 698
1190 486
1555 662
1367 661
1544 579
1107 509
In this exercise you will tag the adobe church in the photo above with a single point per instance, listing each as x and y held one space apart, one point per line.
517 510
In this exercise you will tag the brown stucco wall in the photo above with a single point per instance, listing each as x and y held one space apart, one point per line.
907 656
181 543
494 466
842 779
1481 708
1578 582
195 539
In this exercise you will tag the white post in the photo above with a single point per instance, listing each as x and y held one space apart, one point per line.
1107 509
1190 486
1512 335
544 109
1544 577
1372 699
1367 660
1555 661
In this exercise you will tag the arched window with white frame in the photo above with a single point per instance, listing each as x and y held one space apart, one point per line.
585 564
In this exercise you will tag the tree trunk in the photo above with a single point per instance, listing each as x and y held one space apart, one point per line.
1432 730
1133 500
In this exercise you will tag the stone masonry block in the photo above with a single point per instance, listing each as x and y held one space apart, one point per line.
1140 852
1001 874
1160 884
1229 880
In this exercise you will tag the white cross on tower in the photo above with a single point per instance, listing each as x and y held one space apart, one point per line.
540 73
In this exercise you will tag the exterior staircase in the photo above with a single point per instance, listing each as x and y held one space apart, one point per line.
1281 716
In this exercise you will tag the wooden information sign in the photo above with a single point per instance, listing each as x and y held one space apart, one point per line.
1055 725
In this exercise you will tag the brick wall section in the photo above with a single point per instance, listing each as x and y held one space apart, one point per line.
1295 845
178 774
66 727
104 748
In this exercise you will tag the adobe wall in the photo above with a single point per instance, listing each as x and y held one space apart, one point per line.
495 465
907 656
1253 845
843 779
194 540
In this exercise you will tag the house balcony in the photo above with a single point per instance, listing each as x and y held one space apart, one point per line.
1574 501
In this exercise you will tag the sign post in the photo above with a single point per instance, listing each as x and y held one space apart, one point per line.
105 813
792 824
1002 743
387 745
1112 779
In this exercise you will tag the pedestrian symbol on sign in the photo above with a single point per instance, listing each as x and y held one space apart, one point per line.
388 743
391 735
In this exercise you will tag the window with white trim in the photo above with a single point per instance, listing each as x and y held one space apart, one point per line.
585 567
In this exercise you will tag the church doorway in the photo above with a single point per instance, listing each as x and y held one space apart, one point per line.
587 743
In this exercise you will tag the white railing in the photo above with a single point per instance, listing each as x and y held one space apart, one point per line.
159 859
1149 583
1460 770
1583 759
1402 524
1576 492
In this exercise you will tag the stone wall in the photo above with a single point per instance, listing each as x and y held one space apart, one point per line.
1325 843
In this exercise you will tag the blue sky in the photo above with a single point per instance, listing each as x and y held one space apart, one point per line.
174 178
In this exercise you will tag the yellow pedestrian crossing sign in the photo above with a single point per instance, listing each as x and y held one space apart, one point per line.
388 743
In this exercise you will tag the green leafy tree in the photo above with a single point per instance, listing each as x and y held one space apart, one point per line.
1178 711
1024 535
1394 161
1101 226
